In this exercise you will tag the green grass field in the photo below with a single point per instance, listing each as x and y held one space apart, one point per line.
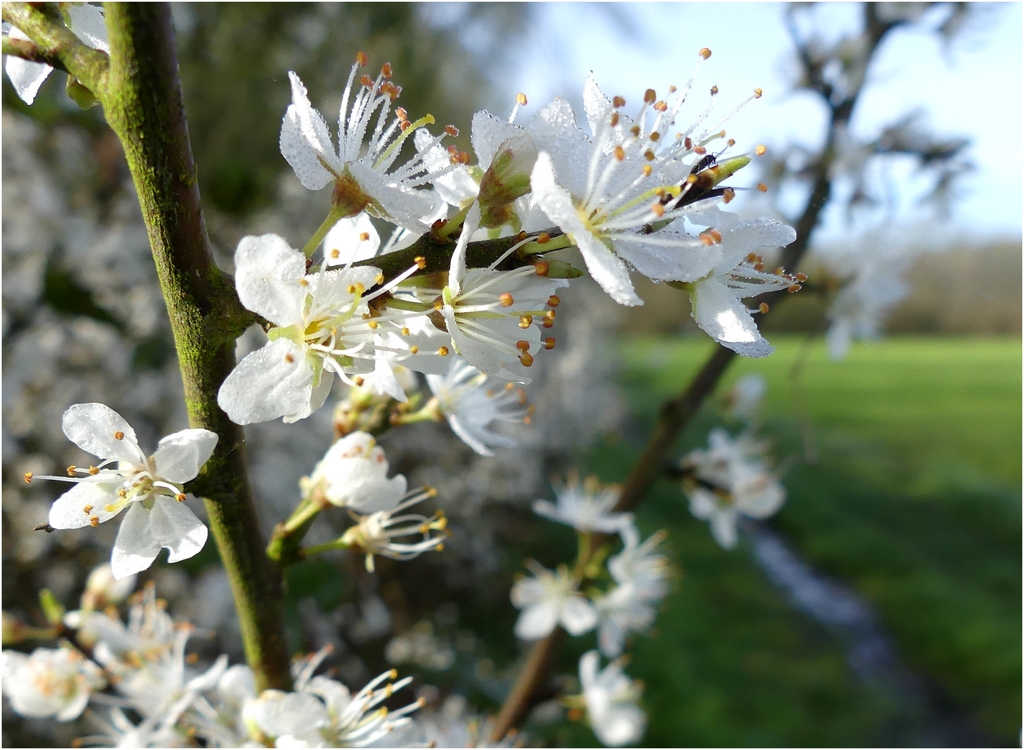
914 501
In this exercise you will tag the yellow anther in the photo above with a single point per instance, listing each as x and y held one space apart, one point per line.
522 345
94 521
521 99
362 59
714 90
525 321
647 170
180 497
506 299
619 153
763 307
526 359
705 53
761 150
405 331
118 435
87 509
289 358
420 262
758 93
543 237
650 96
373 325
71 470
549 343
658 210
28 477
762 188
451 130
541 267
554 301
728 195
414 349
443 351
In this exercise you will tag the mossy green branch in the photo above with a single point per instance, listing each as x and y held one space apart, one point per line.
142 101
53 43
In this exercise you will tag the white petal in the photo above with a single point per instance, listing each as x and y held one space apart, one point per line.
402 205
668 255
68 510
702 503
26 76
173 525
305 140
268 276
554 130
317 397
606 269
723 317
622 725
752 236
589 663
93 428
345 239
135 548
266 385
375 495
597 106
537 621
88 25
488 133
723 527
180 456
578 616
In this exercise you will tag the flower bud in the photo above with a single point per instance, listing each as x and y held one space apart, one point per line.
506 179
354 474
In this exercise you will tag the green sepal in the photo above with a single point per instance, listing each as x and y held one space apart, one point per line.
559 269
80 95
53 610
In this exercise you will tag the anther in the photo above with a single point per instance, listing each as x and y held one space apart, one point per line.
541 267
728 195
525 321
385 70
94 521
705 53
801 277
526 359
405 331
794 289
401 114
658 210
716 236
414 349
752 258
71 470
373 325
523 346
543 237
660 106
362 59
759 266
180 497
779 271
118 435
28 477
635 130
335 254
761 150
731 142
359 382
451 130
506 299
649 155
87 509
366 81
618 101
763 307
364 236
650 96
549 343
758 93
714 90
289 358
655 136
614 120
554 301
420 262
699 150
620 153
122 493
647 170
521 99
762 188
443 351
706 240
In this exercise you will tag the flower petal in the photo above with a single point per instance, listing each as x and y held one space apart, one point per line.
25 76
177 528
94 428
88 25
578 616
305 141
272 382
268 277
346 239
180 456
135 548
723 317
723 527
537 621
68 510
488 133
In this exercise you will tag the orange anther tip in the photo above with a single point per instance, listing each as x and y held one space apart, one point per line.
521 99
761 150
762 187
705 53
362 59
758 93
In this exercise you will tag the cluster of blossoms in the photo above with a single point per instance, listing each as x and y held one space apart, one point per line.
635 580
156 697
462 292
732 478
629 195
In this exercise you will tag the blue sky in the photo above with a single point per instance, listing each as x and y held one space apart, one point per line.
972 88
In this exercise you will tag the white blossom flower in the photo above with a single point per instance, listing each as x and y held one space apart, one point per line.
152 487
621 197
548 600
754 492
324 713
148 629
641 566
611 699
50 682
465 398
376 533
86 22
453 725
620 611
102 589
495 317
363 168
319 331
586 506
858 310
354 474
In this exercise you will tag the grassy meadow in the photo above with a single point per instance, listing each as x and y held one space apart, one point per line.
913 499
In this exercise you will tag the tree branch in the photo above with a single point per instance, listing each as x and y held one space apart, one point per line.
54 43
142 101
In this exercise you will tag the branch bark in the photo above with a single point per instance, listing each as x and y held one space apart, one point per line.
142 101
